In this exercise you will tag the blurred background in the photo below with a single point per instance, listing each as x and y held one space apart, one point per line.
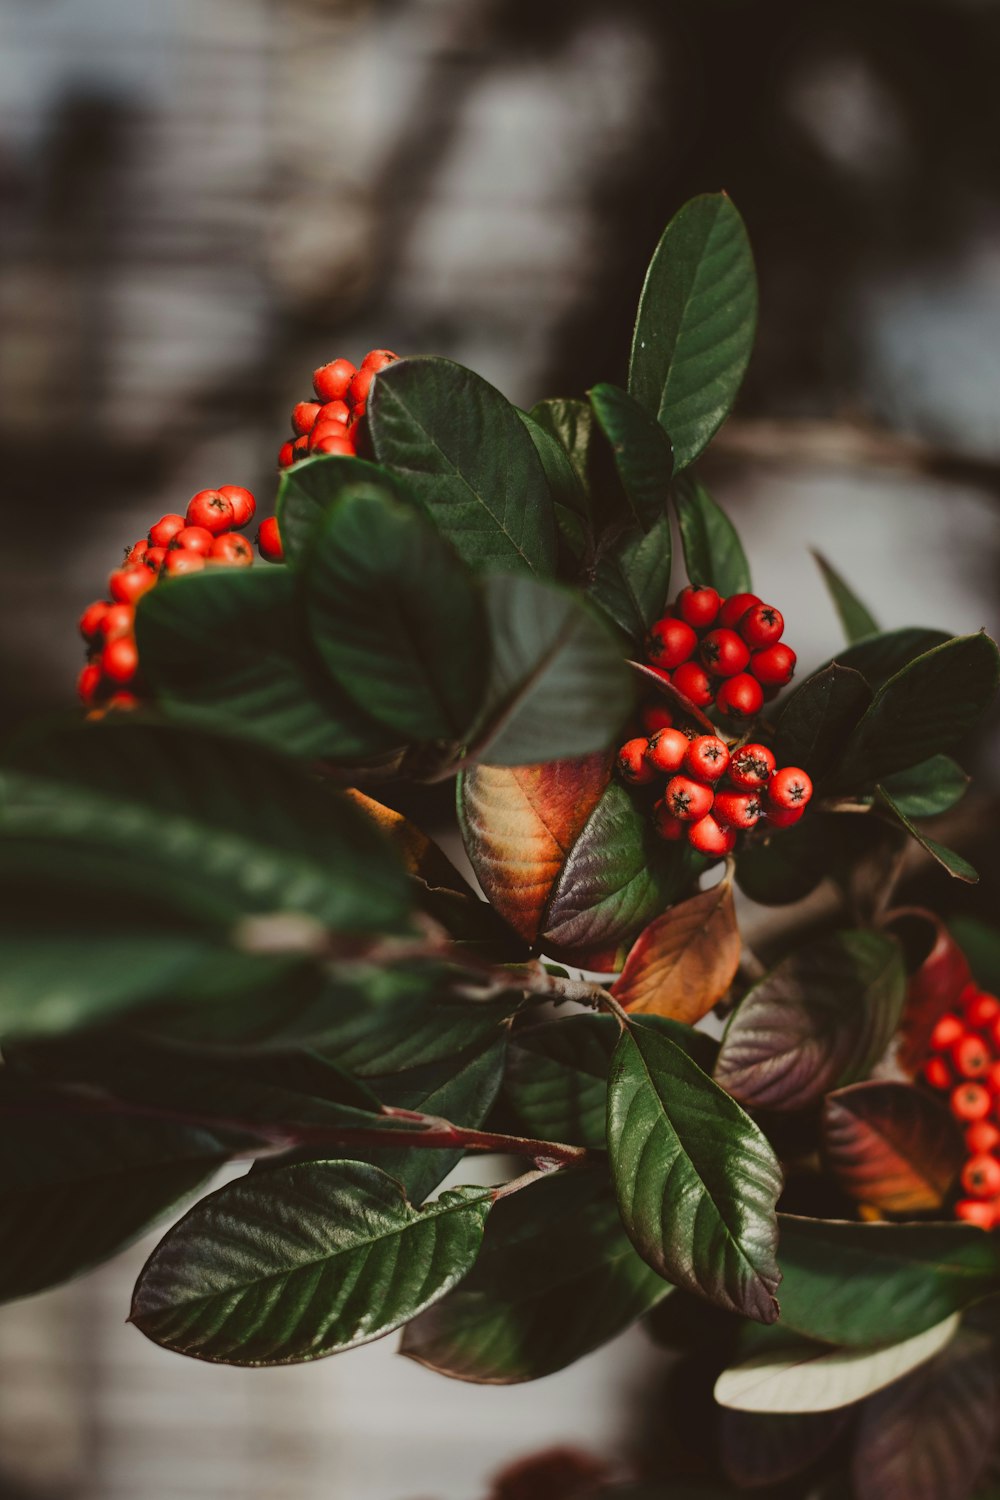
203 201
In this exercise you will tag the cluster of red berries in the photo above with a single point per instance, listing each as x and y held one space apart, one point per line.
726 652
714 791
208 535
965 1064
330 423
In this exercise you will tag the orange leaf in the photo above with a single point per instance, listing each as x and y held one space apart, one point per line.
892 1146
686 960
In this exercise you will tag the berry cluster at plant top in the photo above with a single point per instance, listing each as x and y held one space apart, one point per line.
206 536
964 1065
722 652
331 423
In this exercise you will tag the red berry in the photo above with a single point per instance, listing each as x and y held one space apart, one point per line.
692 681
155 558
361 384
789 787
981 1137
88 684
698 607
126 585
193 539
666 825
232 550
709 837
982 1009
947 1031
120 660
782 817
740 697
330 381
304 415
970 1101
300 448
137 553
667 749
182 560
119 620
688 800
761 626
332 442
981 1176
243 503
334 411
724 653
656 716
937 1073
774 666
92 620
991 1078
268 541
163 533
286 455
975 1211
970 1057
212 510
734 608
670 642
707 757
751 767
738 809
377 360
633 766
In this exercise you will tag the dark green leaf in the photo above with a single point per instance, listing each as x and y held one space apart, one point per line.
981 945
468 459
879 657
787 866
854 617
566 485
556 1277
952 862
396 617
633 577
301 1262
713 553
695 326
822 1018
571 423
932 787
641 449
307 490
696 1179
818 719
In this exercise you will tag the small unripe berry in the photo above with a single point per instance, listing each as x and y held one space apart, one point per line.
698 607
761 626
724 653
182 560
976 1211
707 757
937 1074
666 825
709 837
243 503
231 550
667 749
193 539
970 1101
670 642
734 608
211 510
92 620
688 800
740 697
304 415
970 1057
738 809
163 533
120 660
126 585
774 666
981 1137
982 1009
981 1176
782 817
632 764
751 767
330 381
789 787
268 540
947 1031
88 683
656 716
693 682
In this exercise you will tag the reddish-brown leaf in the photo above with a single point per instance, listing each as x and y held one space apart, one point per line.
891 1145
686 960
936 979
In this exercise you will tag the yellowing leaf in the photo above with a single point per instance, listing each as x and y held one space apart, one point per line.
686 960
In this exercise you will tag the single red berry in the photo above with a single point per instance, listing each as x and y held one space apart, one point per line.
667 749
232 550
361 384
692 681
981 1137
740 697
334 411
666 825
304 414
751 767
633 766
709 837
88 684
330 381
707 757
993 1032
699 607
656 716
982 1009
213 511
119 620
724 653
789 787
738 809
286 455
156 557
670 643
243 503
193 539
120 660
970 1101
92 620
137 552
688 800
782 817
377 360
300 448
971 1057
981 1176
991 1078
761 626
937 1073
975 1211
947 1031
774 666
734 608
182 560
327 442
165 529
268 541
126 585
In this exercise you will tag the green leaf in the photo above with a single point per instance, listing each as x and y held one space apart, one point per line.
879 657
797 1376
865 1284
632 578
932 787
695 327
566 486
641 449
819 718
786 867
571 423
928 707
854 617
821 1019
956 866
556 1277
697 1181
308 489
228 650
981 945
892 1146
396 617
294 1264
713 553
558 685
469 461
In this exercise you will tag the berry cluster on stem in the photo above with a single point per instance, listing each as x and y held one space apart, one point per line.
964 1066
726 653
331 423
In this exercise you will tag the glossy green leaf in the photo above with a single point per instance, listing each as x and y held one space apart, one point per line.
956 866
928 789
891 1146
821 1019
570 422
713 553
879 657
632 578
469 461
556 1277
308 489
789 865
695 326
641 449
228 650
854 617
557 684
566 485
301 1262
396 617
818 719
697 1181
